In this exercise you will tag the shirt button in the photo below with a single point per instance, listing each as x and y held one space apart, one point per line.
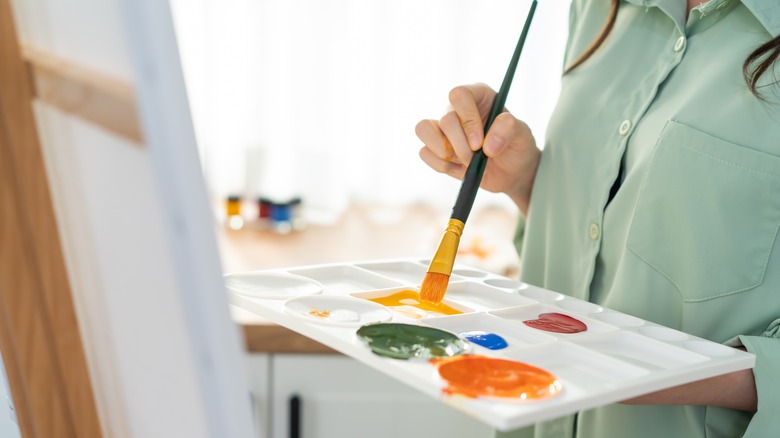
593 232
625 126
679 44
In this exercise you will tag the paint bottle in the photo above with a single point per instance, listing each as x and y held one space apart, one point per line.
284 217
281 217
296 205
264 208
233 217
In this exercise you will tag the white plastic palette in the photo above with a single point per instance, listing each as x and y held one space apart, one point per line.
619 356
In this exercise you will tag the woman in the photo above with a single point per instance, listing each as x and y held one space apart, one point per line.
657 194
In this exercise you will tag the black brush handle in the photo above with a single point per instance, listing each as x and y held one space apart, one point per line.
476 168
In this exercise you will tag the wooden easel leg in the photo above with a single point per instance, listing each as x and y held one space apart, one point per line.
39 333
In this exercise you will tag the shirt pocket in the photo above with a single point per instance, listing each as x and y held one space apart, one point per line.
707 214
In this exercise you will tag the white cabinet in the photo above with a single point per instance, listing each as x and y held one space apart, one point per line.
258 367
331 396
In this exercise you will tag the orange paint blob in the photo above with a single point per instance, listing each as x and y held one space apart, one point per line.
408 303
475 376
319 313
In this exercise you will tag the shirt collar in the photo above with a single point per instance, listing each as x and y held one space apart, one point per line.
766 12
675 9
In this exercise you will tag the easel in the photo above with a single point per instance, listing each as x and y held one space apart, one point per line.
61 385
40 339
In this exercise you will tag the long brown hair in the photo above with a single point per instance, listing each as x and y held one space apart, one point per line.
754 66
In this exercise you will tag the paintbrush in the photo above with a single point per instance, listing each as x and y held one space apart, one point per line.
435 283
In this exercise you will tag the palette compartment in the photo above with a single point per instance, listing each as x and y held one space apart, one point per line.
577 366
618 356
337 310
710 349
621 320
469 273
514 335
579 306
643 351
346 279
534 312
272 285
482 297
411 342
663 334
496 379
505 283
406 272
539 294
407 308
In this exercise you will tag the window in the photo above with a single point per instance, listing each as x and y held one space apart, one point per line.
319 98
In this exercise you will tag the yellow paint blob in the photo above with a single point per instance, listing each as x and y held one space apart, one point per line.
408 303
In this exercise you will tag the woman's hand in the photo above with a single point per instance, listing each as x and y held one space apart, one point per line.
451 141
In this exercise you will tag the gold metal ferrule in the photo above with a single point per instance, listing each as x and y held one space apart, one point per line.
448 247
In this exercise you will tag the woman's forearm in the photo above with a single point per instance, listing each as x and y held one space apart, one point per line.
735 390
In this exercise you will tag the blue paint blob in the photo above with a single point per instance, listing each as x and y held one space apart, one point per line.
485 339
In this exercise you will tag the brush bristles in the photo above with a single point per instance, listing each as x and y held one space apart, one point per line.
434 286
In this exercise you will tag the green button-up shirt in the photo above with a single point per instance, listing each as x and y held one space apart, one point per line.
658 195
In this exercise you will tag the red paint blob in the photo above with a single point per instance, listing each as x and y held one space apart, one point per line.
475 376
557 323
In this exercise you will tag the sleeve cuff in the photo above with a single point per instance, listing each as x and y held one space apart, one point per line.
767 351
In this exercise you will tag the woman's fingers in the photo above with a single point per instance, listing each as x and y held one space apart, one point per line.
452 168
506 131
452 130
431 135
465 104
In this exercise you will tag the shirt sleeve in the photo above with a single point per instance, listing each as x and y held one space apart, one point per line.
767 350
519 234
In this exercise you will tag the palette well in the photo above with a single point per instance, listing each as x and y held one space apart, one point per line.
272 285
507 353
337 311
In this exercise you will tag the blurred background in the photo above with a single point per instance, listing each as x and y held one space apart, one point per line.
314 102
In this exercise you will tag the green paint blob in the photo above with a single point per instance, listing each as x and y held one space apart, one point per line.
407 341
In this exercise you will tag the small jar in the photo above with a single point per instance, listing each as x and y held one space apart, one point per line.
233 217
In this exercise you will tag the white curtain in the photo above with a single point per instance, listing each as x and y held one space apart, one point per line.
319 98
